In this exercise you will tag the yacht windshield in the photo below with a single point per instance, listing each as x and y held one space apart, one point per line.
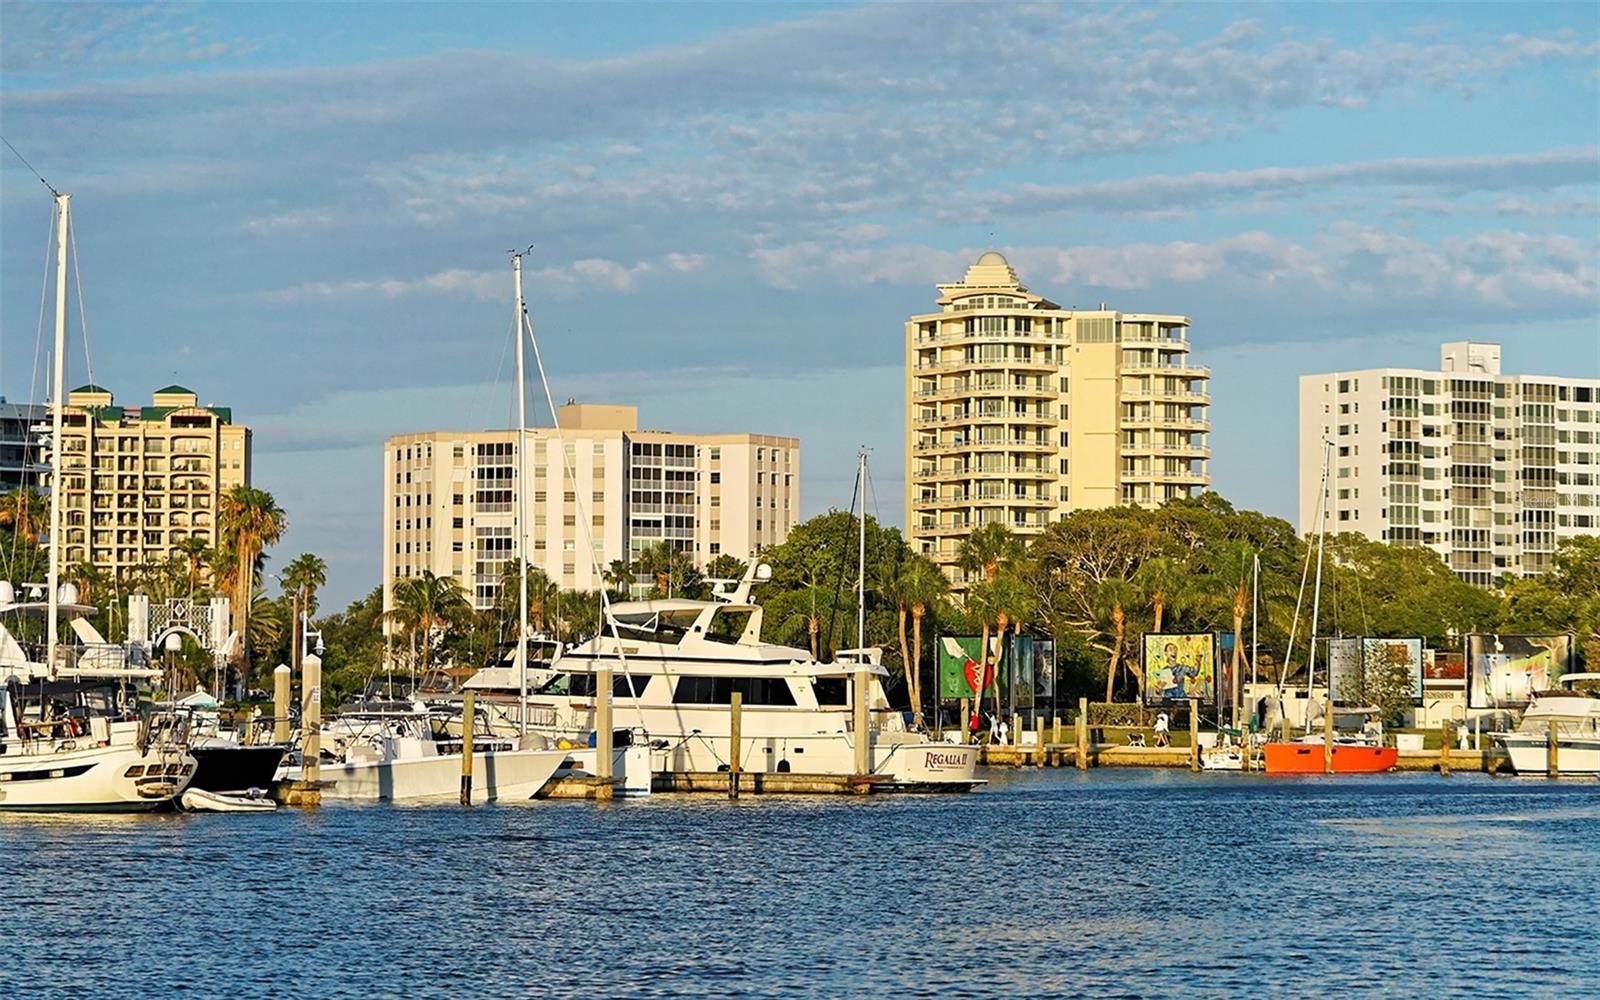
728 626
666 627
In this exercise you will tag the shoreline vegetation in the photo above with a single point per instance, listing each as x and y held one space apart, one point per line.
1092 582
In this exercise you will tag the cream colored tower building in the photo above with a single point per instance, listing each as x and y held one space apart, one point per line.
1487 469
450 498
1019 411
136 481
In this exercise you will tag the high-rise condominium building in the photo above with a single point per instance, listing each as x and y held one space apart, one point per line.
450 498
20 448
138 480
1489 470
1019 411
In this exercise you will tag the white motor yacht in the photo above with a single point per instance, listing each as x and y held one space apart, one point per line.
406 752
71 738
1576 713
675 666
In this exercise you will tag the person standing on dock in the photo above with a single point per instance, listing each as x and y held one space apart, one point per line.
1162 724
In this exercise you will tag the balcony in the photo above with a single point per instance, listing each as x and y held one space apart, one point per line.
1176 371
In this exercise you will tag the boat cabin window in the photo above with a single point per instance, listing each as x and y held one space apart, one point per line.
583 686
719 690
666 627
728 625
831 690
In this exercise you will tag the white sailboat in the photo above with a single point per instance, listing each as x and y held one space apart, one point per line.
410 752
71 738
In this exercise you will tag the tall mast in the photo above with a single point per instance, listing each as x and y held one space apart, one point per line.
58 396
1255 604
1316 591
522 509
861 553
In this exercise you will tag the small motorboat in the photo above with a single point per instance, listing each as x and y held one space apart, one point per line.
200 800
1350 756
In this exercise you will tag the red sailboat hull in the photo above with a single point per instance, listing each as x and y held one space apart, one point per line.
1306 758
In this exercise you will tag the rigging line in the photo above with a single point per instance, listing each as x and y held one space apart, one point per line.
25 163
838 585
83 316
33 383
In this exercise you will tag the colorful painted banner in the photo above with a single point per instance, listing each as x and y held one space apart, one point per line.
1179 666
958 666
1507 670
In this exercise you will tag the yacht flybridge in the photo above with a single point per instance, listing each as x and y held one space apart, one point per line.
674 667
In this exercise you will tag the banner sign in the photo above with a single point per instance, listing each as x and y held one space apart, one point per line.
958 666
1044 668
1397 655
1344 671
1179 666
1506 670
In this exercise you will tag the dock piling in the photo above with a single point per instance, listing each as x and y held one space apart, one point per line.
863 721
280 703
311 716
1327 736
1194 734
604 755
735 709
467 711
1083 734
1038 761
966 720
1552 753
1444 749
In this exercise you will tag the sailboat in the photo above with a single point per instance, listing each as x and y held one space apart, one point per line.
408 751
1327 752
71 736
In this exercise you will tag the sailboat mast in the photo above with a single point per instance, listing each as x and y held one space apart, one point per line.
1255 604
522 509
1316 591
861 553
58 395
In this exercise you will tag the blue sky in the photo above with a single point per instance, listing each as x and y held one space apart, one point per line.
303 210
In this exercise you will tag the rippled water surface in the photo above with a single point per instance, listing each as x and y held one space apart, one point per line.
1111 883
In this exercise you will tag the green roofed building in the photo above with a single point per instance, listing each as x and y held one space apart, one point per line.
138 480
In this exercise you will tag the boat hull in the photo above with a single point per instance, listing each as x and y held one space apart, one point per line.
1306 758
906 759
1529 753
496 775
116 778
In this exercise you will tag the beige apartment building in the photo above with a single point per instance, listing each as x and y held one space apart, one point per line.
1019 411
450 498
1487 469
137 480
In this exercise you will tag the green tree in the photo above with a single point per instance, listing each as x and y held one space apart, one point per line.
193 551
26 511
727 567
302 578
923 585
988 550
250 521
426 609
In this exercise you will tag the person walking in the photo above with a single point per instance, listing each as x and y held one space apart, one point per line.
1162 725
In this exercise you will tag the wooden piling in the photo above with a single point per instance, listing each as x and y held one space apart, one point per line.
1327 736
311 716
1057 730
468 708
281 679
1552 753
604 754
735 739
1039 725
966 721
1194 734
1083 734
863 721
1016 730
1444 749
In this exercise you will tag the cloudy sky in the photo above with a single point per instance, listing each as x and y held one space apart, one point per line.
302 211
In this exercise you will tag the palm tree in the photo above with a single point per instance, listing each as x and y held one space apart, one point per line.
619 577
889 583
302 578
425 609
24 511
1113 596
250 520
194 551
1165 583
922 584
88 578
989 549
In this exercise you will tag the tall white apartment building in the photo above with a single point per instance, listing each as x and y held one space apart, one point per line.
1019 411
1487 469
450 498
